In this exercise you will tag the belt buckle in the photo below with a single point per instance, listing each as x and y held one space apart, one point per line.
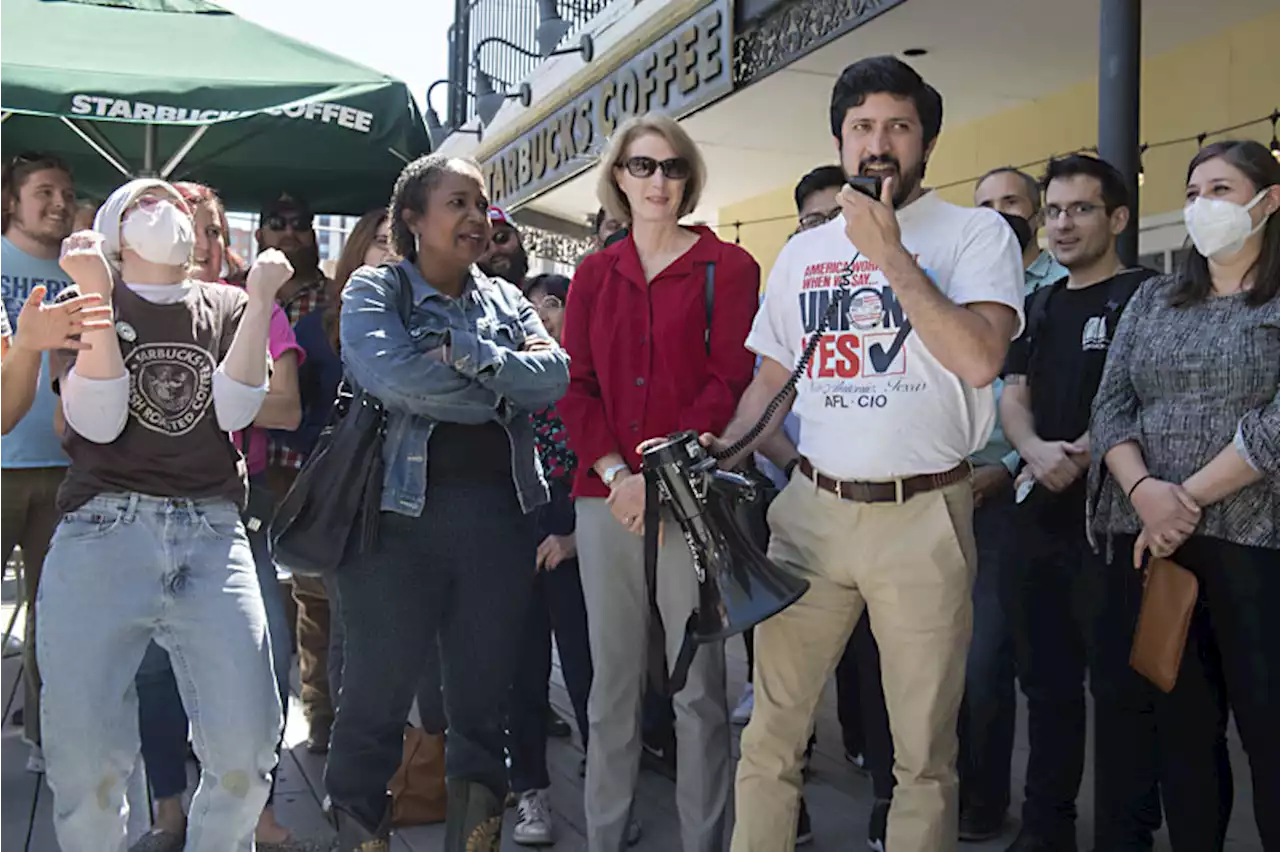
899 492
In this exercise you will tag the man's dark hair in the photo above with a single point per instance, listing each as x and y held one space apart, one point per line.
1194 283
885 75
1032 185
823 177
1114 192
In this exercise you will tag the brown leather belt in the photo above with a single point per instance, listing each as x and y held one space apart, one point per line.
897 491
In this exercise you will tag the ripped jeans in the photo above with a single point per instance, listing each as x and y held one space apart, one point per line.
122 570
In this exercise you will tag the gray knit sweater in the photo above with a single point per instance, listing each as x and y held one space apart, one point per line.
1184 383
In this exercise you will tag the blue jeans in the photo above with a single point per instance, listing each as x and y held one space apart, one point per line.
162 720
122 570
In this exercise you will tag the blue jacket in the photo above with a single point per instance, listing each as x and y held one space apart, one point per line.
489 377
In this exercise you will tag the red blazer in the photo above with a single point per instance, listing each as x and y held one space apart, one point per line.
639 365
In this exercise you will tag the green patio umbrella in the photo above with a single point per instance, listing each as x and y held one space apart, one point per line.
185 90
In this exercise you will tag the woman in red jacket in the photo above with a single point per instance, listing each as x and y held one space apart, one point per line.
645 364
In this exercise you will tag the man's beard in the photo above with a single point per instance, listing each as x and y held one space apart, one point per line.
906 182
304 259
513 268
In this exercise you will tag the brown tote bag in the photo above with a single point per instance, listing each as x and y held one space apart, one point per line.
417 789
1169 594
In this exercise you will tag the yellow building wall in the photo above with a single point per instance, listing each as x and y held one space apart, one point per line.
1220 80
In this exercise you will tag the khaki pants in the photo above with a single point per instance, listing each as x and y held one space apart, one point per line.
912 565
29 518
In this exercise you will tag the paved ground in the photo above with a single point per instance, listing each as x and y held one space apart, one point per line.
839 798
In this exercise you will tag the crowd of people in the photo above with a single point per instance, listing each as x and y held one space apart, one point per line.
973 443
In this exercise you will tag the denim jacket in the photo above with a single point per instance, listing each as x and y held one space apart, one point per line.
489 376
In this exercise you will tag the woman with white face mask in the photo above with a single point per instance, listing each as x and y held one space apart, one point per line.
1187 419
151 545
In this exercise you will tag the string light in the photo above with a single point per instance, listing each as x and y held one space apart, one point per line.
1142 176
1199 139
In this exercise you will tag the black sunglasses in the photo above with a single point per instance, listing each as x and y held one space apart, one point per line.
502 236
676 168
276 222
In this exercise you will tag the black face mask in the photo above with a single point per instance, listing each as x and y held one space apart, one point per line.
1021 228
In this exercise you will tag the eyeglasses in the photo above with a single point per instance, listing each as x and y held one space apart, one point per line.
819 217
276 222
676 168
1074 211
502 236
549 303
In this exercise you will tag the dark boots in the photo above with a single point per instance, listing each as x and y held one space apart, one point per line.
474 822
354 837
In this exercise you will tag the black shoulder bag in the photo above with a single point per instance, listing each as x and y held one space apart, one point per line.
338 493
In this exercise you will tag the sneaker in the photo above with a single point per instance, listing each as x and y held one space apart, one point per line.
742 713
557 728
804 831
533 825
35 760
12 646
859 760
879 825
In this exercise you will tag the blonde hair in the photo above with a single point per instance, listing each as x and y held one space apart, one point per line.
611 195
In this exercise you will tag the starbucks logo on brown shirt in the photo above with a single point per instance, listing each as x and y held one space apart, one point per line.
170 386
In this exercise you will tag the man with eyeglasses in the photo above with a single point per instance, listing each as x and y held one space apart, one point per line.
506 257
1056 592
287 223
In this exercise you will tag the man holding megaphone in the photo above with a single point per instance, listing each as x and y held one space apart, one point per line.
883 331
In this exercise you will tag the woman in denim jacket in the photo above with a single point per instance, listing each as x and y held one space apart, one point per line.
456 545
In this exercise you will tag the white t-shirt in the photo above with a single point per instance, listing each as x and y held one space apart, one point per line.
874 403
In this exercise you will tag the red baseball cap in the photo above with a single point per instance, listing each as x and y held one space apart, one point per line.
497 214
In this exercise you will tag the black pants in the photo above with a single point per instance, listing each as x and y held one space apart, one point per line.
461 571
1047 601
556 604
864 686
1126 808
987 714
1231 665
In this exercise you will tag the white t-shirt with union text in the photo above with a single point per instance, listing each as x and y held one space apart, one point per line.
874 403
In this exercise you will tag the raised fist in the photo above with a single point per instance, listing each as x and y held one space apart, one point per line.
83 260
268 274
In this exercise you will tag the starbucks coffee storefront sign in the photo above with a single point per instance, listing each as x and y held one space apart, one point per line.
688 67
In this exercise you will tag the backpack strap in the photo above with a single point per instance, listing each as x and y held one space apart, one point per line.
1038 309
709 299
1123 286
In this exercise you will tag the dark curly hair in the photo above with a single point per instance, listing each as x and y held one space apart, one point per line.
411 192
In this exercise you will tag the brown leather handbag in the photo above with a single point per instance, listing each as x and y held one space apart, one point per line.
417 789
1169 594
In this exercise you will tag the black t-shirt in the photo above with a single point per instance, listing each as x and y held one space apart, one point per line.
1062 357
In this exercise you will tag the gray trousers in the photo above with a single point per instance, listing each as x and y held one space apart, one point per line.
613 584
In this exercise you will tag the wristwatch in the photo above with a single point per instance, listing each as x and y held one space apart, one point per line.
612 473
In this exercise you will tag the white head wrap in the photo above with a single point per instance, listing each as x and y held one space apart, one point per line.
107 221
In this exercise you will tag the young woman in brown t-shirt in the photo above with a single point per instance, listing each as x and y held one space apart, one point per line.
151 544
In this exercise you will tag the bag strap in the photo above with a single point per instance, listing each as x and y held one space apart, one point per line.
666 682
709 299
404 296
